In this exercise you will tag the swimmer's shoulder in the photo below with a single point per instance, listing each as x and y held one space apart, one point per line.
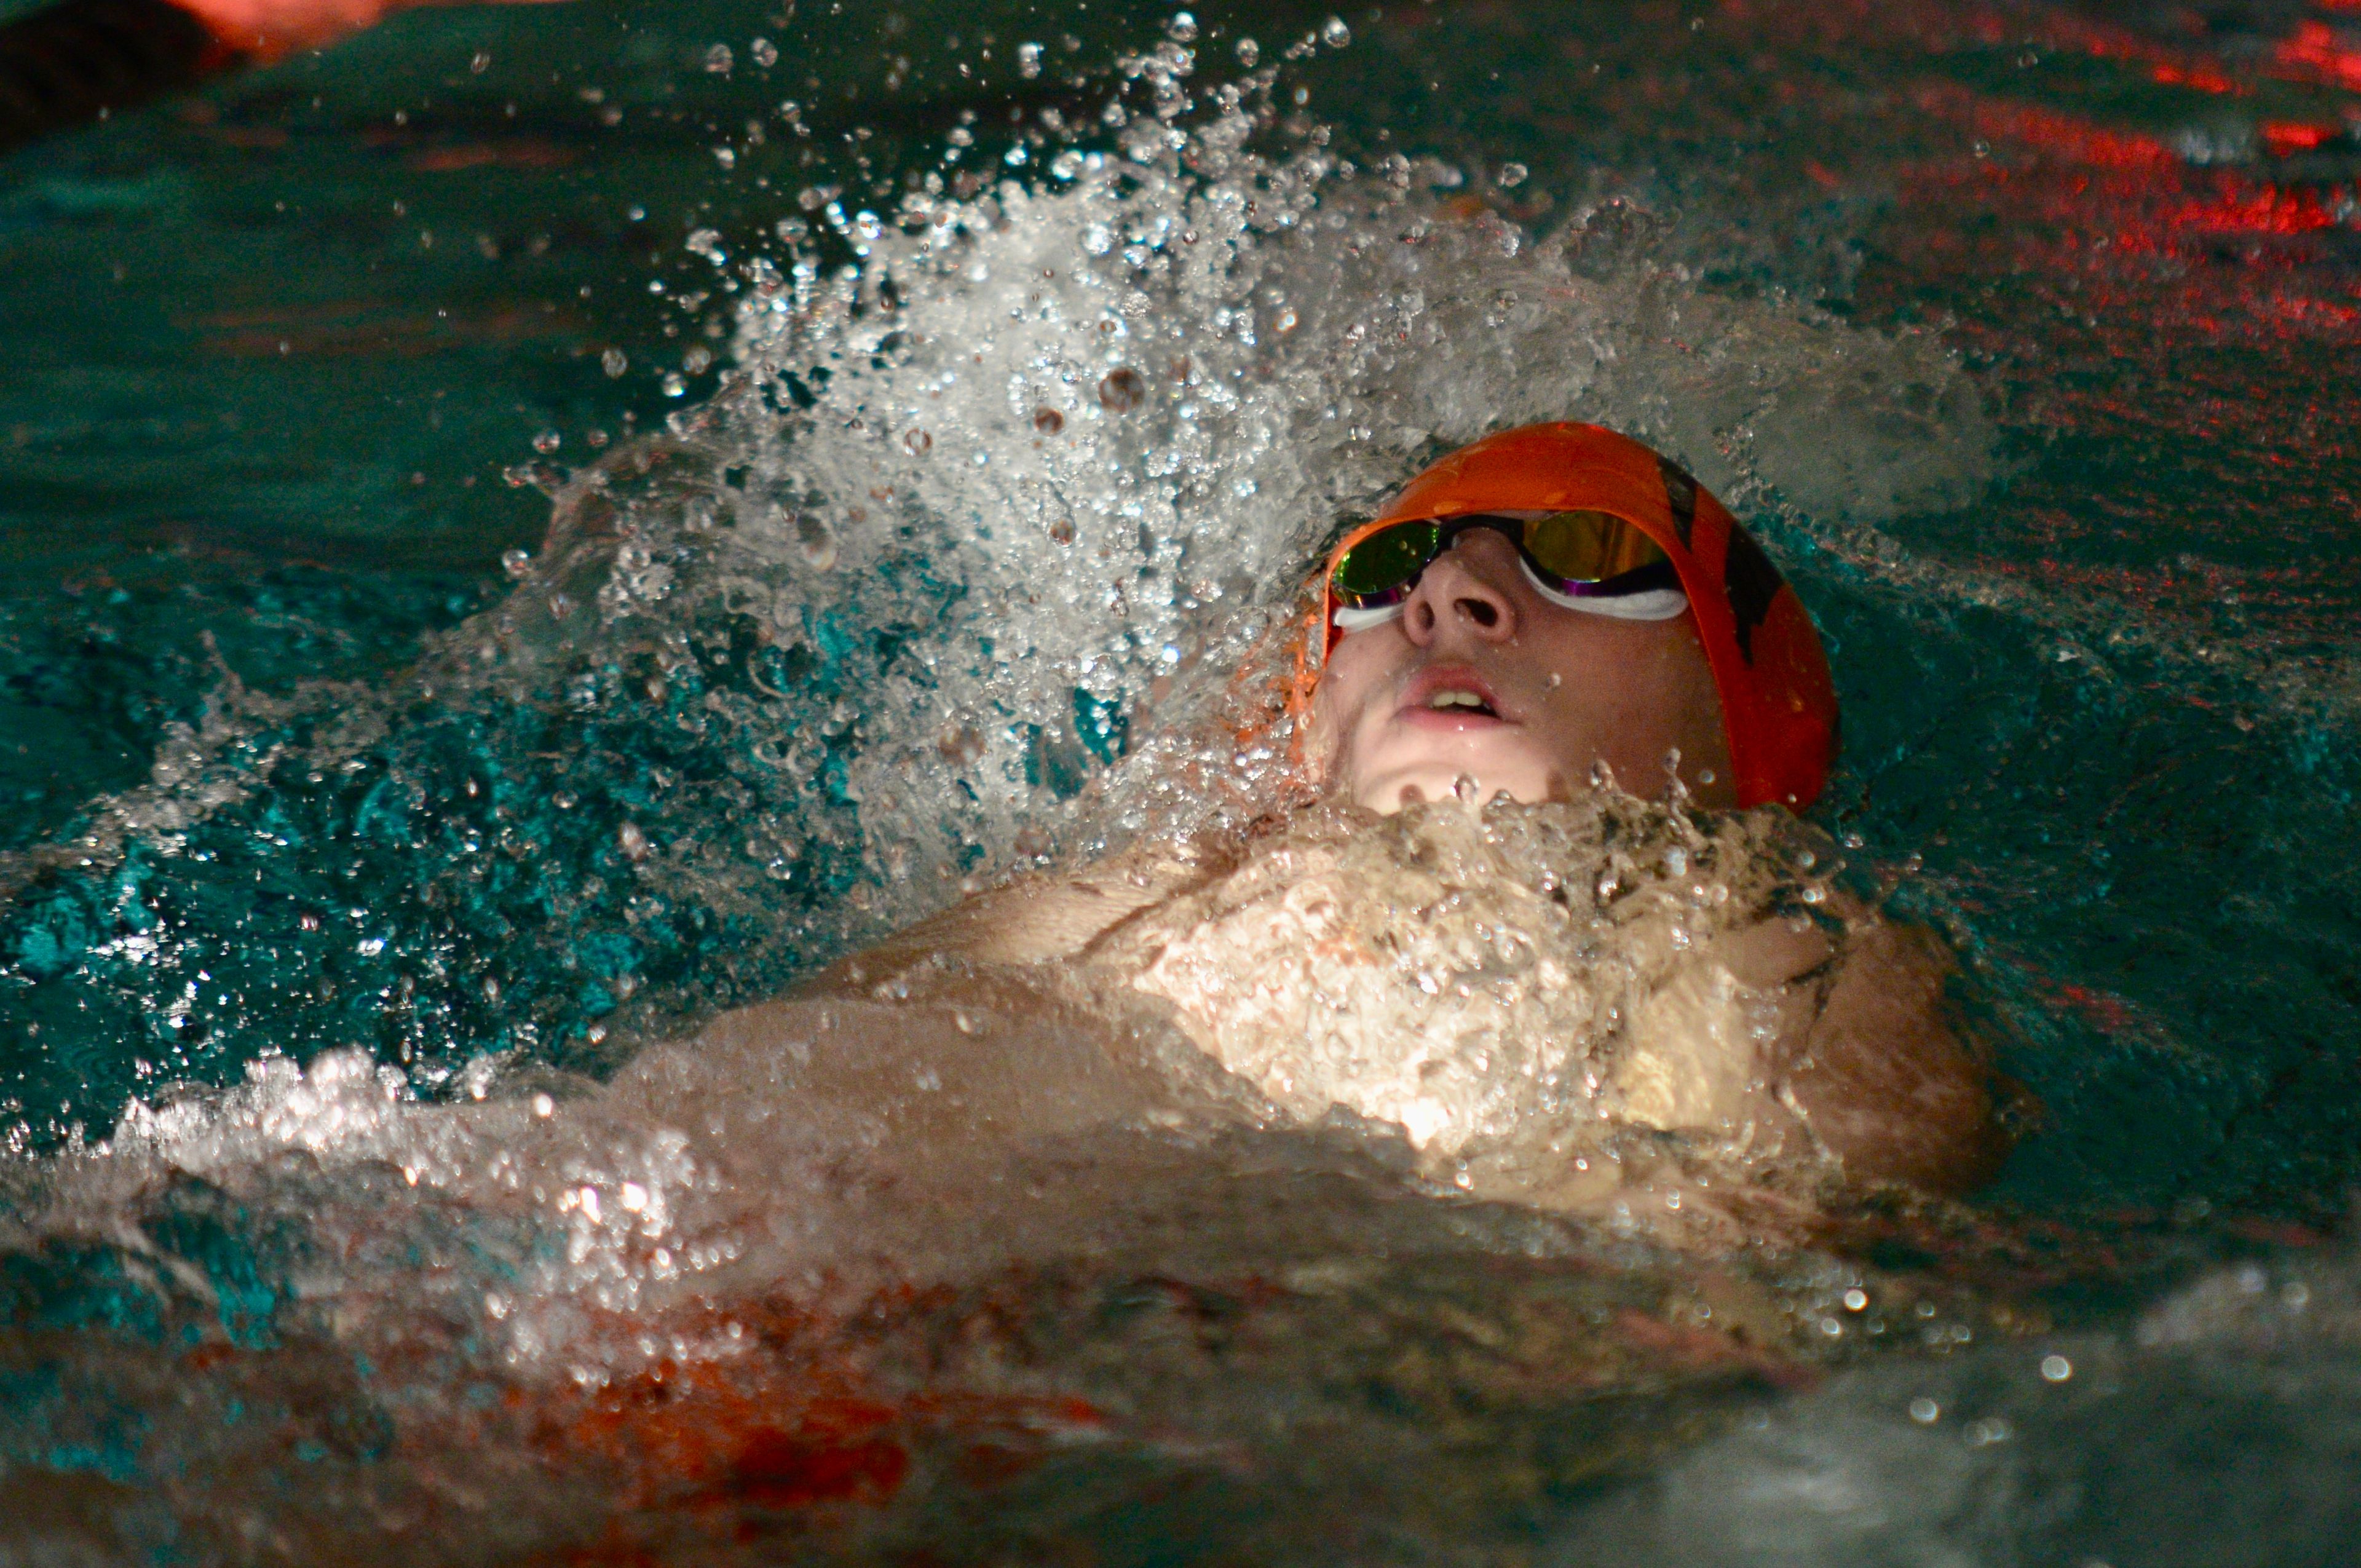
1851 1032
1042 917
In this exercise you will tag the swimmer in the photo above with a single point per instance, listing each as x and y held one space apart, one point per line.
79 60
1472 940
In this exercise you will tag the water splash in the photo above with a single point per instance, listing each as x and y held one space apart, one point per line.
953 574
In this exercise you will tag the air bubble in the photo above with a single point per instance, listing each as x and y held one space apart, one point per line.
614 362
765 52
1334 33
547 440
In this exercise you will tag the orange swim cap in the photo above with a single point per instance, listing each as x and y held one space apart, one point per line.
1778 705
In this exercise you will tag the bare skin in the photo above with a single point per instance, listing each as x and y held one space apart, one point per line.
1861 1070
272 29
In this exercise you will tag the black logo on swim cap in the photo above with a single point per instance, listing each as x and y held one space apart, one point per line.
1752 582
1682 492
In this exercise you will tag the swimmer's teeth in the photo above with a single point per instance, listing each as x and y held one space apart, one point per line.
1457 699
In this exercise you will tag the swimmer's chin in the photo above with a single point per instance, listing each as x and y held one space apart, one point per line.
1398 789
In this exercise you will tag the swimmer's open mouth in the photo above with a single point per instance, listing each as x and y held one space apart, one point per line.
1453 693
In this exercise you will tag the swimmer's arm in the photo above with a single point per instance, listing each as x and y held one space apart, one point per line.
71 63
1041 919
1883 1080
1868 1059
79 60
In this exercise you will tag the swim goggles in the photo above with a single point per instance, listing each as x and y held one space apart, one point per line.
1589 561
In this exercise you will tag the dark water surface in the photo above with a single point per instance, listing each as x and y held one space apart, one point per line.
2024 334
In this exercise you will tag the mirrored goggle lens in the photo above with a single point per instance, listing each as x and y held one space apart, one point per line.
1584 547
1379 570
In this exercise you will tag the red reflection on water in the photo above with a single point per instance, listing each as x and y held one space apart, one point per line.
2316 51
2283 137
2267 209
2171 67
2204 78
2062 134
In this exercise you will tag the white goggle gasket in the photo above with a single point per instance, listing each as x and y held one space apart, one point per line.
1652 604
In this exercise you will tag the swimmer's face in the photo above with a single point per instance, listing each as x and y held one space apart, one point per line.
1554 692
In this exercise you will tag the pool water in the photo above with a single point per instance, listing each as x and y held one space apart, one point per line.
522 540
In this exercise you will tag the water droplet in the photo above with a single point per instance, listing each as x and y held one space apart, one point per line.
614 362
1856 1299
1248 52
674 386
1122 390
816 543
2055 1368
1334 33
547 440
718 60
959 745
765 52
1098 239
1184 28
515 561
1924 1412
1028 60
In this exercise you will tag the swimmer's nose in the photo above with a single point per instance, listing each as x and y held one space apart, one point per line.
1455 594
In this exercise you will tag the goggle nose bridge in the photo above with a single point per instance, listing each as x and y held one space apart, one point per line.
1448 531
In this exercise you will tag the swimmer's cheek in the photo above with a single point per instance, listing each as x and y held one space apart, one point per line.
1885 1081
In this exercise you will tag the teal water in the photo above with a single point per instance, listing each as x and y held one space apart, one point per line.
2023 333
